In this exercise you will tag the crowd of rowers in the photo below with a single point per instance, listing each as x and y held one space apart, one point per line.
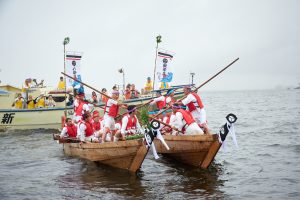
186 117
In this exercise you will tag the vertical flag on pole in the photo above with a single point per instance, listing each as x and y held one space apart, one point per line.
73 61
164 72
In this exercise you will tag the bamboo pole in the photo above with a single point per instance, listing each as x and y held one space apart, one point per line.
158 40
87 85
101 92
200 85
65 81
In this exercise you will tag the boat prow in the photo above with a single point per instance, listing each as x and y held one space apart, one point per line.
127 155
195 150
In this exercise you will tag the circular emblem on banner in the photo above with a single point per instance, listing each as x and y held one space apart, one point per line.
74 63
231 118
155 124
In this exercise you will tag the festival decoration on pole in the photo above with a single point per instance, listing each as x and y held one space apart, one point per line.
158 40
73 66
228 128
122 72
164 72
65 42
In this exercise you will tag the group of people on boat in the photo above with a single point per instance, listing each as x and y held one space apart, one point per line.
187 116
131 92
25 101
41 101
90 127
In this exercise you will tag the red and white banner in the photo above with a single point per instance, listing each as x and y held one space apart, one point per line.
73 68
164 71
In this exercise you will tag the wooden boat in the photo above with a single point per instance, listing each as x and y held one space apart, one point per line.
195 150
127 155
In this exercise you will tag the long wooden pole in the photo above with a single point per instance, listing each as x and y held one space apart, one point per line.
87 85
155 66
123 81
101 92
65 81
200 85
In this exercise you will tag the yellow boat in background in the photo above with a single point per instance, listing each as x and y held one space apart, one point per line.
47 118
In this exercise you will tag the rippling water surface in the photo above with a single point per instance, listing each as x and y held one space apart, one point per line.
265 165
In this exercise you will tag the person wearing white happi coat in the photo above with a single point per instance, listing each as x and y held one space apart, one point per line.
185 122
196 107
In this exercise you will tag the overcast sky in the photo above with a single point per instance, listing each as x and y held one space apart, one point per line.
205 35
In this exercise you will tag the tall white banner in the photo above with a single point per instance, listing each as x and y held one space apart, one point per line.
73 61
164 72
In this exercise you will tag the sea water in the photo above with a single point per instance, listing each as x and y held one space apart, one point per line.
266 163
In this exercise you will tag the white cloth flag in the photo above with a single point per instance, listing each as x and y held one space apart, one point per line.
231 131
164 72
73 61
150 142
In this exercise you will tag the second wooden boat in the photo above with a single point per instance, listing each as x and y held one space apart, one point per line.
195 150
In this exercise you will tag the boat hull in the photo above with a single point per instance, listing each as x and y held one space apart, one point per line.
127 155
195 150
46 118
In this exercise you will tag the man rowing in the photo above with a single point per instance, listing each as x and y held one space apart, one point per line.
185 122
110 112
196 107
130 124
170 119
69 130
85 129
169 99
80 107
160 100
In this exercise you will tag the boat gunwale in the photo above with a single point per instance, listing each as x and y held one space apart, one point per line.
106 145
196 138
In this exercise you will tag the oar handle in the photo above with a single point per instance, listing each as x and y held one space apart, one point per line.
211 78
99 91
200 85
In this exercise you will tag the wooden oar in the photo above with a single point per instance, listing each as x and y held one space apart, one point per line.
92 103
168 125
65 139
137 107
101 92
140 106
163 123
200 85
87 85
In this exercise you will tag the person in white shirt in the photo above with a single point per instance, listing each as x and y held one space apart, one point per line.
85 132
160 100
170 119
196 107
185 121
170 97
111 111
130 124
50 102
80 107
69 130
